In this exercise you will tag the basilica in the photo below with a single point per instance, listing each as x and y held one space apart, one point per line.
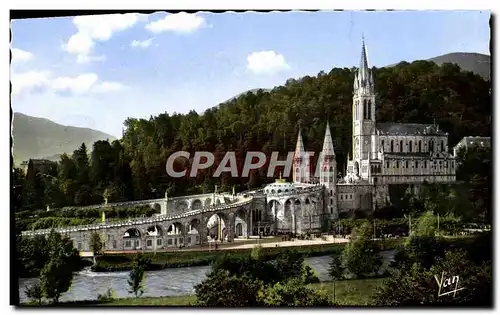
383 154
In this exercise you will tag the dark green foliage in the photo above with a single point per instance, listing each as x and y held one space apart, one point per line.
415 285
35 293
57 273
33 253
136 276
335 269
361 257
222 288
96 243
292 293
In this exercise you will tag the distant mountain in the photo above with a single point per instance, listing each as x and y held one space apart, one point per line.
35 137
477 63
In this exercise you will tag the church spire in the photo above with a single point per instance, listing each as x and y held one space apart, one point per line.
299 148
328 149
363 74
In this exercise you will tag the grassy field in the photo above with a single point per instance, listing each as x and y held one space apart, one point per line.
347 292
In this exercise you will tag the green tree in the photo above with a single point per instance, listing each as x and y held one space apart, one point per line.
360 257
256 253
416 286
223 289
96 245
336 271
35 293
56 277
426 225
292 293
136 276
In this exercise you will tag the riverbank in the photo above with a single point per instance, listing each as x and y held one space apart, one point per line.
347 293
188 258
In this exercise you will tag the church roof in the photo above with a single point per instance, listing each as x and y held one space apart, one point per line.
409 129
328 149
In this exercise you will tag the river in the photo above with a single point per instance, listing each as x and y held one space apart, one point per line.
167 282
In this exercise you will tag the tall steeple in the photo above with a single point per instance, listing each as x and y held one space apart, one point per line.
364 76
299 148
328 149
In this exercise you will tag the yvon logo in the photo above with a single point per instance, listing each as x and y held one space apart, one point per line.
447 285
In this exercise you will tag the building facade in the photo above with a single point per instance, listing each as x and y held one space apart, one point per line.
383 154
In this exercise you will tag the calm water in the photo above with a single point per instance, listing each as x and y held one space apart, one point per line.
168 282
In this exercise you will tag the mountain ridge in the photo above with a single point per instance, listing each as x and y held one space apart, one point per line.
38 137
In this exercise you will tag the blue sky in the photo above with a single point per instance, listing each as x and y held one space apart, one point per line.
97 71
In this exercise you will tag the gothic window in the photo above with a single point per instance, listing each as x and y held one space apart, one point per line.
397 164
341 197
382 144
425 164
114 244
365 110
406 164
452 165
331 192
419 145
392 145
297 170
369 109
410 146
442 146
416 164
431 146
350 196
331 169
401 146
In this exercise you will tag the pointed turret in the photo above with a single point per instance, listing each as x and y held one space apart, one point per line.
328 149
299 148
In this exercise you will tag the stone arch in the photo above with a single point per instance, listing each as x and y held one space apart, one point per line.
298 216
150 231
132 239
175 228
193 229
208 202
196 204
242 218
217 201
154 234
216 225
273 208
400 145
181 206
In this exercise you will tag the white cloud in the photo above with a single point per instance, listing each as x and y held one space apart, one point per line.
97 27
180 22
76 85
141 44
27 81
87 59
19 55
23 83
266 62
109 87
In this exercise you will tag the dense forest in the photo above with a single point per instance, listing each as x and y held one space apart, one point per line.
134 167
